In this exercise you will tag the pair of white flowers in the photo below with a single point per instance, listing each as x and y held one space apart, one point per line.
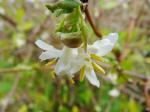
73 60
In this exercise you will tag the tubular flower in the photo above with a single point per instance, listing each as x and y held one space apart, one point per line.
68 59
72 60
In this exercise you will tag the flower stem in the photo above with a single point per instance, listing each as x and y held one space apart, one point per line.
89 18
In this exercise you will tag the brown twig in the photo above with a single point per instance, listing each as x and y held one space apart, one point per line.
14 70
132 94
135 75
89 18
18 70
8 19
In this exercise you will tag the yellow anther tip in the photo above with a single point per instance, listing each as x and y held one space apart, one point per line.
52 62
98 68
96 57
82 73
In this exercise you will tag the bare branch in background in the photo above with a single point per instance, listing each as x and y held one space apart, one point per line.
8 19
38 30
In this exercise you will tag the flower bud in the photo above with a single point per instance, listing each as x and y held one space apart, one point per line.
71 40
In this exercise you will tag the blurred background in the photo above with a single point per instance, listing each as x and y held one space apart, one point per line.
26 85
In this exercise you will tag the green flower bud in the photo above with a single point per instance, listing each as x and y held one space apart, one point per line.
71 40
66 6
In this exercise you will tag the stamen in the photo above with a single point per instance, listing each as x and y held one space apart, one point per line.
98 68
82 73
71 81
53 74
52 62
96 57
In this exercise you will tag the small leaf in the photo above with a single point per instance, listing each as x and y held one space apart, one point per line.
19 15
67 6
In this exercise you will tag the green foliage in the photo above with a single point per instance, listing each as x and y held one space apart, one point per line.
5 87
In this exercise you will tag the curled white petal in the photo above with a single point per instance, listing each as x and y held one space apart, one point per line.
104 46
49 53
44 46
91 76
113 37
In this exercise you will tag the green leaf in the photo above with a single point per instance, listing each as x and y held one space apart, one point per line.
5 87
19 15
127 64
63 109
69 23
84 96
66 6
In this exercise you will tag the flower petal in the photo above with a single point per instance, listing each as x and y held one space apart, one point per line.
69 63
75 65
50 52
49 55
91 76
41 44
104 46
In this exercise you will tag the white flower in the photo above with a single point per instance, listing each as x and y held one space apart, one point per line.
114 92
72 60
20 42
113 78
69 61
